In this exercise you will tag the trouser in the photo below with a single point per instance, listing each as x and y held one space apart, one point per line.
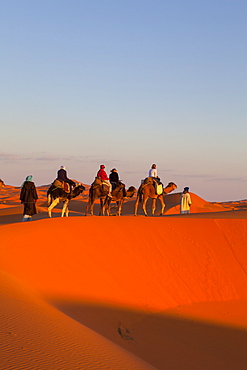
107 182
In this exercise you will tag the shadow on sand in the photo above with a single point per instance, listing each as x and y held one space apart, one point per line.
165 341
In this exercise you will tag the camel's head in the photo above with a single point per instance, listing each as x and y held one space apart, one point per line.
2 184
131 191
79 188
170 187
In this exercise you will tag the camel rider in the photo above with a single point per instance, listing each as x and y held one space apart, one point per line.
154 173
114 178
115 182
102 175
62 176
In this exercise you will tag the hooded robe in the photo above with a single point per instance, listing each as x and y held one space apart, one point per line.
28 197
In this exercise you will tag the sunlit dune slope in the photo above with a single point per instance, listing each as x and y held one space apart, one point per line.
131 261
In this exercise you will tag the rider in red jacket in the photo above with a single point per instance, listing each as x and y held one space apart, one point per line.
103 176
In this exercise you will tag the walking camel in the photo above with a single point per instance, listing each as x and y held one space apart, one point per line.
101 191
147 190
56 194
118 196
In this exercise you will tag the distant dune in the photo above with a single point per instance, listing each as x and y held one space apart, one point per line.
124 292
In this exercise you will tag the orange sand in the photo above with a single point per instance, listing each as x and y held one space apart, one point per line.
123 292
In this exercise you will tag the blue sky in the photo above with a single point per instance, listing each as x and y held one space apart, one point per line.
126 83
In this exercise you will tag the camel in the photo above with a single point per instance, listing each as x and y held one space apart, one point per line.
2 184
100 191
57 194
147 190
118 196
97 191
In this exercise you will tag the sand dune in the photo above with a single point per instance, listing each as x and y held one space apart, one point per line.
123 292
37 336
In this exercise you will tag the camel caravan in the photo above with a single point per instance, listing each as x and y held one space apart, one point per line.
107 191
112 189
148 189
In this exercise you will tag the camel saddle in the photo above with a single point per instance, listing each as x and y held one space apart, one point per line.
158 188
62 184
157 185
119 186
98 182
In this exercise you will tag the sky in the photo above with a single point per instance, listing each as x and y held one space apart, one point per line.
125 83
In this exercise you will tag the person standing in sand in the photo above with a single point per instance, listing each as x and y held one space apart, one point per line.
29 198
185 201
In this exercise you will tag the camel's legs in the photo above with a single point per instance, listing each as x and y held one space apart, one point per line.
136 205
119 209
53 204
144 206
162 205
91 208
102 207
154 200
118 213
90 204
108 211
107 205
88 207
65 209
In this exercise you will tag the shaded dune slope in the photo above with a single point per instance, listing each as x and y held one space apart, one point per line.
35 336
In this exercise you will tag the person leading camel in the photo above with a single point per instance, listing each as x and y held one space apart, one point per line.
185 201
102 175
28 197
